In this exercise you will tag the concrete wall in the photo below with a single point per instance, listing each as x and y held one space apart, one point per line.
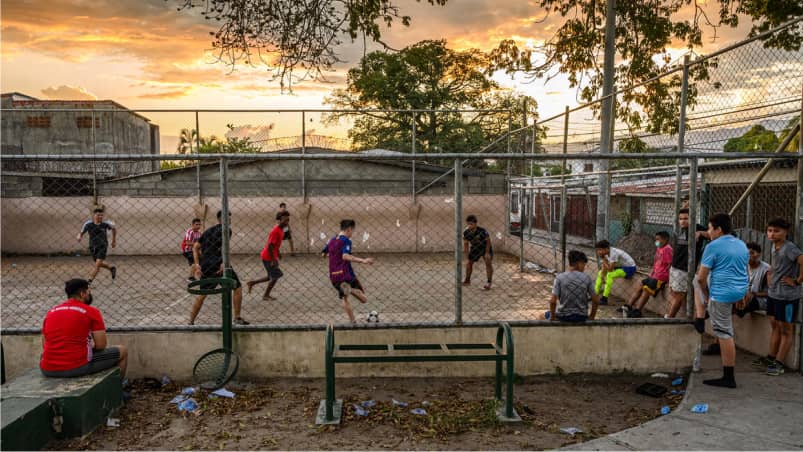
600 347
155 226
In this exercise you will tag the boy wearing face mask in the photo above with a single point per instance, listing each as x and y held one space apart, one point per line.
74 337
658 277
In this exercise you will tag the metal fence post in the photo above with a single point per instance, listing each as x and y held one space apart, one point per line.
224 211
303 151
607 121
563 192
509 140
197 162
799 213
684 92
692 236
94 164
522 212
413 161
458 244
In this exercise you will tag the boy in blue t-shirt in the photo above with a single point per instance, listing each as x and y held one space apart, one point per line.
725 261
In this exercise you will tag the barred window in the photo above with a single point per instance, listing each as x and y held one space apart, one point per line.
659 212
85 122
38 122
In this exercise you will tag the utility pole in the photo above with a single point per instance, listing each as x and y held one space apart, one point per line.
607 121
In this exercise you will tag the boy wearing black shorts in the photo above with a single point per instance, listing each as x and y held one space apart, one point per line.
191 236
270 256
208 260
98 229
476 245
341 273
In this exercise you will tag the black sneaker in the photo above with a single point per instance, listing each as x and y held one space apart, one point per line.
712 350
603 301
113 271
191 279
241 321
634 314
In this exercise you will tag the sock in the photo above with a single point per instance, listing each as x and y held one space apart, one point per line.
699 325
770 358
727 380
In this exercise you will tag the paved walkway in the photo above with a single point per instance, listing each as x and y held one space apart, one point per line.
763 413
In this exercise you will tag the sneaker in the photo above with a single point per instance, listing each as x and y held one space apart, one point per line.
466 283
775 369
113 270
762 362
241 321
487 286
603 301
712 350
634 314
346 288
190 279
625 308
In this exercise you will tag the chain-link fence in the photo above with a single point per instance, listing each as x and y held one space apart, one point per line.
538 192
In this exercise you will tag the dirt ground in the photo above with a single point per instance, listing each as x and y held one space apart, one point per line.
151 291
280 415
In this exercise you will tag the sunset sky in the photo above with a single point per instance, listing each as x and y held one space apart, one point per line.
146 54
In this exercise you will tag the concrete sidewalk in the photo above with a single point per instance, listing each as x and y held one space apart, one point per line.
763 413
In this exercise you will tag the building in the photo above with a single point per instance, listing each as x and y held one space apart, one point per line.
32 126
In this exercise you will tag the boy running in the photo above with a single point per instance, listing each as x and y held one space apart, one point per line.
571 292
615 264
476 245
657 279
270 256
783 299
97 229
287 234
341 273
191 236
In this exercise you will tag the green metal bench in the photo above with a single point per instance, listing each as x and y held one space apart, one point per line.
330 409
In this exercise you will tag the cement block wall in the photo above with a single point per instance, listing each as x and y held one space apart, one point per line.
599 347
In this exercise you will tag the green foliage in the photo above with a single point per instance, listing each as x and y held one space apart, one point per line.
428 76
794 145
644 31
634 145
757 139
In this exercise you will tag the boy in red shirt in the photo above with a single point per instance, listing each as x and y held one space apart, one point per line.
658 277
270 256
74 337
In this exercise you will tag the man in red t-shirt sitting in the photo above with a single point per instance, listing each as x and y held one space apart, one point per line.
270 256
74 337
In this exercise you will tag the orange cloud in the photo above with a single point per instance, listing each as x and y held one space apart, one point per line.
67 92
166 94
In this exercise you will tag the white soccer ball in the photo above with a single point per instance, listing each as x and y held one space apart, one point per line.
373 317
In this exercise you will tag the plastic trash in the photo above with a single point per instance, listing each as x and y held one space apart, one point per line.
677 392
571 430
677 381
360 411
188 405
13 265
166 380
223 392
700 408
188 391
112 422
659 375
399 403
368 403
425 403
419 411
665 410
178 399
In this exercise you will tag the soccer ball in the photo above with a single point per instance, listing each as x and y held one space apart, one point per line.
373 317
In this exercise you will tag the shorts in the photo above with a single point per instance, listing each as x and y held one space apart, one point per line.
570 318
476 253
721 319
98 252
274 273
354 283
756 304
652 286
629 271
678 280
783 310
101 360
287 234
190 258
217 274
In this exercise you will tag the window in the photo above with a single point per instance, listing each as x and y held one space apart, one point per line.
85 122
514 202
659 212
38 122
588 167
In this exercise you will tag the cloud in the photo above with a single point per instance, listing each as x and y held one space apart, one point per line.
67 92
173 94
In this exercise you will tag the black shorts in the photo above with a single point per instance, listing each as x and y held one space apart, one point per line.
98 252
753 306
101 360
783 310
354 283
218 274
475 254
652 286
287 235
190 258
274 273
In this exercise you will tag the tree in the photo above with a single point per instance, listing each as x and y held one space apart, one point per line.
427 76
187 141
794 145
757 139
287 35
644 29
635 145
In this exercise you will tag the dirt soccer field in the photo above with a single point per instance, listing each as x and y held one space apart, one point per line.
151 290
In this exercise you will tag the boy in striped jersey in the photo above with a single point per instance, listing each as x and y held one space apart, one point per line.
191 236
